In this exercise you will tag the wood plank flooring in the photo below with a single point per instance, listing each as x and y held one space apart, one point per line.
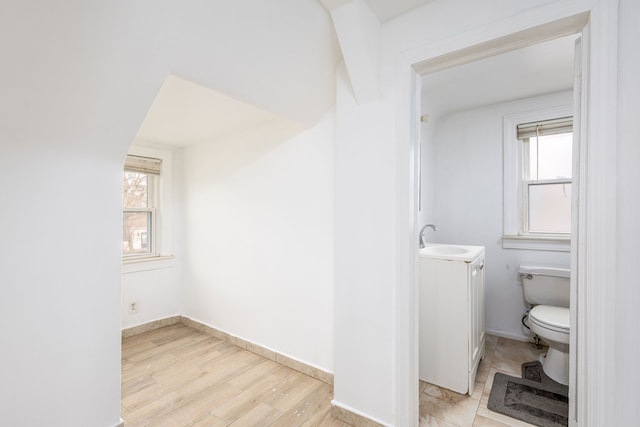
177 376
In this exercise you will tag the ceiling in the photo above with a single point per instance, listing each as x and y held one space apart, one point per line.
184 113
389 9
536 70
282 84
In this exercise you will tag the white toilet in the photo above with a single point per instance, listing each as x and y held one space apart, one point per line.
548 290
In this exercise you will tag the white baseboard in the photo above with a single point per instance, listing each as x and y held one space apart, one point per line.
509 335
120 424
150 326
354 417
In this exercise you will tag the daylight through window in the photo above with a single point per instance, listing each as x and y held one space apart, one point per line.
545 188
139 192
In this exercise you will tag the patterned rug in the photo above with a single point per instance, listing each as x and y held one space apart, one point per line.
535 398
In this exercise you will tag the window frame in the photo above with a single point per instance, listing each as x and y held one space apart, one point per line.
152 201
163 256
515 212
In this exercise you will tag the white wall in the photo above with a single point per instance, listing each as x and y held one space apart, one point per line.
627 371
426 208
156 290
260 238
59 275
157 293
62 146
364 244
468 203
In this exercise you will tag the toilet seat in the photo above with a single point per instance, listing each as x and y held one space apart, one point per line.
552 318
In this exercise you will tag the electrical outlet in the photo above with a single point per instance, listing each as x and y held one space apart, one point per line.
133 307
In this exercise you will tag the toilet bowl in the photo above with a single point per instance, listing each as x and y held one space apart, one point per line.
552 325
547 290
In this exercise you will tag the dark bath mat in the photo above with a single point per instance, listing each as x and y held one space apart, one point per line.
529 401
533 371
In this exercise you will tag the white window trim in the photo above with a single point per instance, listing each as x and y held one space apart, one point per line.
148 263
163 238
152 196
512 239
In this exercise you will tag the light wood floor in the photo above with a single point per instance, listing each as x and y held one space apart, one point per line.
177 376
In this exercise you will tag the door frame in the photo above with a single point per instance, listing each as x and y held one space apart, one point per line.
592 387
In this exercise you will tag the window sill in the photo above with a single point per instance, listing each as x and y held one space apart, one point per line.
557 244
150 263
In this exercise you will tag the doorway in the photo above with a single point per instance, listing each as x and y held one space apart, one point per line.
465 165
431 58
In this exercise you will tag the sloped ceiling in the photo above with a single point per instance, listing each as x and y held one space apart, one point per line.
184 114
90 71
278 56
261 62
274 61
76 70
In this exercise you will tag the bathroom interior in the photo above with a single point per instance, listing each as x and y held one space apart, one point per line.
465 178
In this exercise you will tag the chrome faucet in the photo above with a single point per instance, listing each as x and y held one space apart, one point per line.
432 226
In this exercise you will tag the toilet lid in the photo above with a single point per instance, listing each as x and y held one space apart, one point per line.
550 317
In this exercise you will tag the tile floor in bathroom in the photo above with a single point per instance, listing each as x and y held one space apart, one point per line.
440 407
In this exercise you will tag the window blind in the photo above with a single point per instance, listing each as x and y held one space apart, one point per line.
142 164
546 127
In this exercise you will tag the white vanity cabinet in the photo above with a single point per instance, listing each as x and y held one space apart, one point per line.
451 307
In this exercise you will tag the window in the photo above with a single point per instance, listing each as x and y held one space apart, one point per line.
139 200
538 179
545 193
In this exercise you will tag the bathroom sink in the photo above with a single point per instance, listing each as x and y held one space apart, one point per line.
449 251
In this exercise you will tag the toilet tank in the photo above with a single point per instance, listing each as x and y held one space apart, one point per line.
546 285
